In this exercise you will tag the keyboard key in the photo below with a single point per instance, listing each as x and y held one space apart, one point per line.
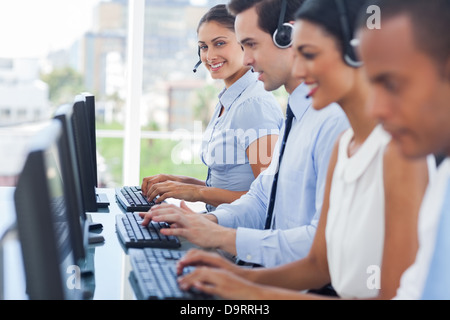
132 199
134 235
154 277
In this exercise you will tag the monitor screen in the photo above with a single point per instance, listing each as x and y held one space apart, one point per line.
43 224
89 100
71 177
85 158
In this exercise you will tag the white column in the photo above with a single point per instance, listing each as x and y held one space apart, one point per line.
132 137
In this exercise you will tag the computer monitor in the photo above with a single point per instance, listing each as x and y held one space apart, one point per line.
81 132
72 186
85 145
89 100
43 222
71 177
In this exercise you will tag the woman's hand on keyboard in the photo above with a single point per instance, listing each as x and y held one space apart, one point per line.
221 283
197 257
173 189
148 182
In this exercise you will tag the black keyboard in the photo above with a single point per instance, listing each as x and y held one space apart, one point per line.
154 277
131 199
134 235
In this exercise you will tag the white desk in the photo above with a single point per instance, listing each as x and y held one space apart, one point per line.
12 284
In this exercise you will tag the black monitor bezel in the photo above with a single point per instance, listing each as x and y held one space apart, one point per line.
46 269
86 167
78 217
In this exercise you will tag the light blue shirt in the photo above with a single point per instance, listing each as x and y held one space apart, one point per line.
437 285
300 190
250 113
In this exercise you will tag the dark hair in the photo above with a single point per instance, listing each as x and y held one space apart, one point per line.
430 23
219 14
268 11
326 14
238 6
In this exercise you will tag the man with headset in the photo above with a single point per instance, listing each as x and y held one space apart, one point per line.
275 222
408 64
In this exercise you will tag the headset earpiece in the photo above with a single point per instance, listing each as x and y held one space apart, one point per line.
282 37
350 57
351 60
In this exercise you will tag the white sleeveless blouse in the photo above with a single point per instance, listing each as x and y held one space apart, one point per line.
355 223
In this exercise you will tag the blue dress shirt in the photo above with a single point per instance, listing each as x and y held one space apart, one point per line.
250 113
301 184
437 286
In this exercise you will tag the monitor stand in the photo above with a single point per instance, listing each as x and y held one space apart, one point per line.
95 238
102 200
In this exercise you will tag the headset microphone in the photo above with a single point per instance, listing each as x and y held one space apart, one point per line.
197 65
199 61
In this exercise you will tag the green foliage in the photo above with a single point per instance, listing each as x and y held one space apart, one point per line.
111 149
156 157
282 97
109 126
205 100
62 84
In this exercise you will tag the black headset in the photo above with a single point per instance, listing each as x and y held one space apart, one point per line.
282 37
350 57
198 63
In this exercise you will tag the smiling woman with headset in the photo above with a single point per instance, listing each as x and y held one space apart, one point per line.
367 232
241 135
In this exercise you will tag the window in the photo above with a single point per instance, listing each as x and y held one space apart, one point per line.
87 51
